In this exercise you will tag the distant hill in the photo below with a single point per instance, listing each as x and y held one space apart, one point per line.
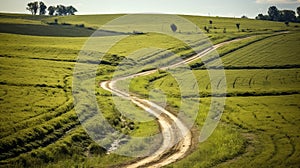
44 25
85 25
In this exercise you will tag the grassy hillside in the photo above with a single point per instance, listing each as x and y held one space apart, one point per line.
263 105
34 25
39 126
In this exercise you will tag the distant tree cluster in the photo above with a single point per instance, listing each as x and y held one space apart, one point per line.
61 10
280 15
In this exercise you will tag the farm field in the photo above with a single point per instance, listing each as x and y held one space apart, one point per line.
40 128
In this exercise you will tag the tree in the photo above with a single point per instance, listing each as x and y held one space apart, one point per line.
210 23
287 24
238 26
51 10
61 10
30 7
262 17
274 13
43 8
173 27
70 10
244 17
33 7
288 16
280 15
206 29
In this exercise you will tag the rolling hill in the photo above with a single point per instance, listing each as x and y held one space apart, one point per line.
40 128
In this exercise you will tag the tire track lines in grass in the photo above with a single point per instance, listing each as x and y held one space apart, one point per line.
239 125
284 119
34 137
65 89
195 85
250 82
208 86
265 146
161 83
40 118
40 147
283 148
254 115
49 139
235 81
61 139
233 119
67 131
246 125
48 115
292 145
251 147
294 155
31 85
267 77
220 81
275 148
248 150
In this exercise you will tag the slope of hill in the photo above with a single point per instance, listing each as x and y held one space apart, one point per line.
39 126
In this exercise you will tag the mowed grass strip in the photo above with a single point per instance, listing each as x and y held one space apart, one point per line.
281 50
254 82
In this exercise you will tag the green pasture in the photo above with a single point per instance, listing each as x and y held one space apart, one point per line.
40 128
262 107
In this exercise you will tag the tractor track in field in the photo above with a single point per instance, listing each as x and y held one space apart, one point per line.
166 154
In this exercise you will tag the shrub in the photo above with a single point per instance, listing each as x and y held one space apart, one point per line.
173 27
66 24
137 32
79 25
96 149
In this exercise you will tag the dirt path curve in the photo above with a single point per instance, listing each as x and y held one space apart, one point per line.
166 154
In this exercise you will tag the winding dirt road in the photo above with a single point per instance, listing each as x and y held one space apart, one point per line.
166 154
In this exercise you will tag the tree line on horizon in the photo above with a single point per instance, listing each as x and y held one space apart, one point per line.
60 10
280 15
273 13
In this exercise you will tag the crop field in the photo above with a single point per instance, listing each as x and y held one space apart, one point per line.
40 128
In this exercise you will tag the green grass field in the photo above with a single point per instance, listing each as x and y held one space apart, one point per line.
262 107
40 128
